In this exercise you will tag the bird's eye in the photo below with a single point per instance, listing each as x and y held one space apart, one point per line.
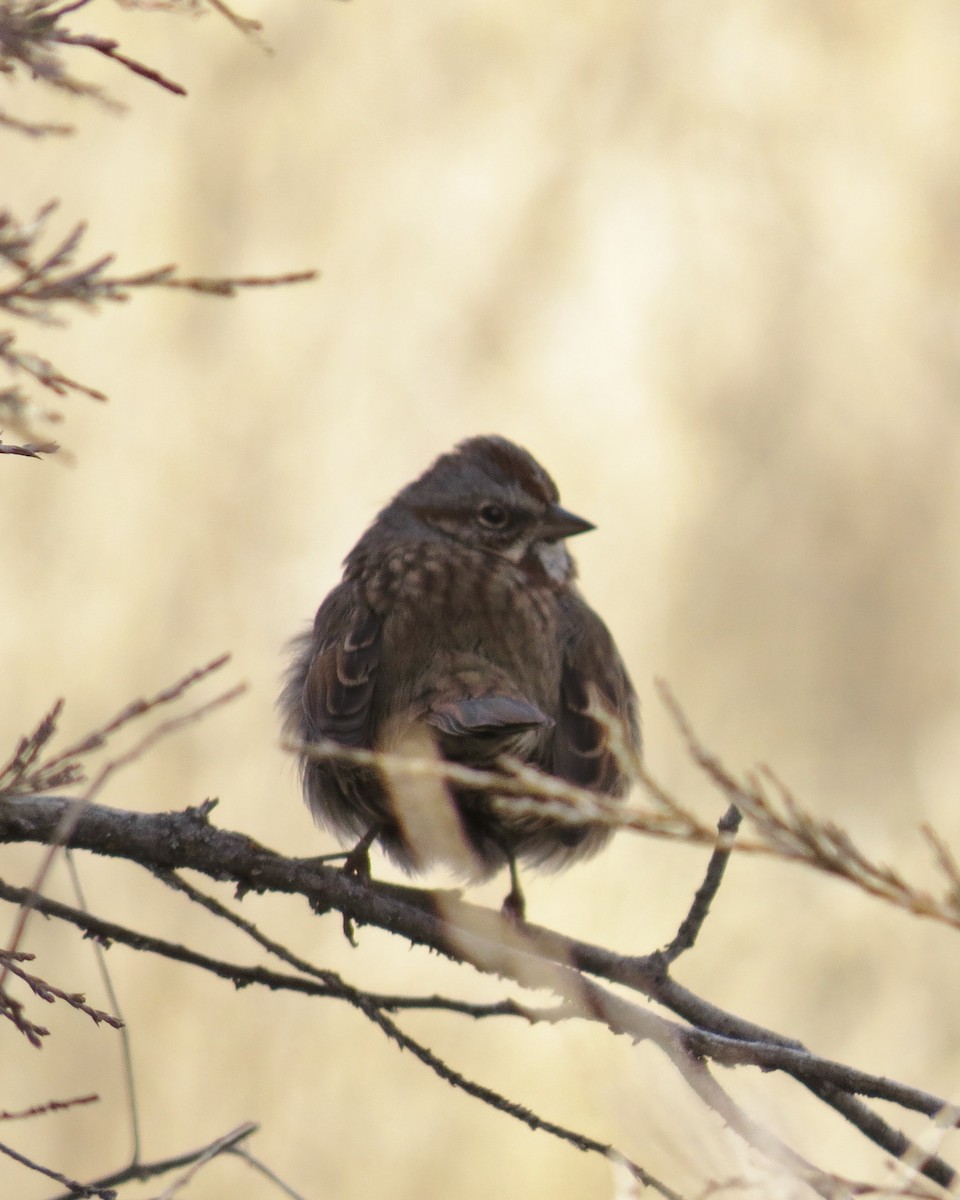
493 516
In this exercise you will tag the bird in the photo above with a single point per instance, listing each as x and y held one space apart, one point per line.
458 632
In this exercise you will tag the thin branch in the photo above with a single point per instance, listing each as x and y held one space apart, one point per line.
41 1110
796 835
46 991
518 1111
17 770
42 281
792 834
243 1153
143 1171
31 38
246 25
164 277
28 449
99 737
129 1079
13 1010
691 925
28 43
76 1189
109 48
34 129
74 811
335 985
227 1142
38 286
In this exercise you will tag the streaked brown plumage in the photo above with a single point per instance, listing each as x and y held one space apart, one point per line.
458 617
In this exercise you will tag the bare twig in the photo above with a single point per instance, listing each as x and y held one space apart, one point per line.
76 1189
41 1110
70 760
693 922
34 129
32 37
264 1170
29 35
28 449
788 832
39 285
227 1142
44 280
110 49
246 25
129 1079
142 1171
46 991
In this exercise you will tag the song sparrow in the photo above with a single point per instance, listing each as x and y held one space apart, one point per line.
458 630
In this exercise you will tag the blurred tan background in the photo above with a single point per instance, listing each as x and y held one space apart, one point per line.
703 261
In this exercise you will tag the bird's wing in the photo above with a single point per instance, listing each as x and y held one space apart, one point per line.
338 684
495 715
593 675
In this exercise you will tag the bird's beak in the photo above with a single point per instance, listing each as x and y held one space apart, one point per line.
558 523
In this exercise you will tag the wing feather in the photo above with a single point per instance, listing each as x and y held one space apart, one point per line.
490 715
592 675
339 680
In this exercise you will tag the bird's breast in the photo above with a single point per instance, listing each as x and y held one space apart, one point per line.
449 611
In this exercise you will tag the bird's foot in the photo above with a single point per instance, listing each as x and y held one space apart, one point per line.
514 907
357 862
